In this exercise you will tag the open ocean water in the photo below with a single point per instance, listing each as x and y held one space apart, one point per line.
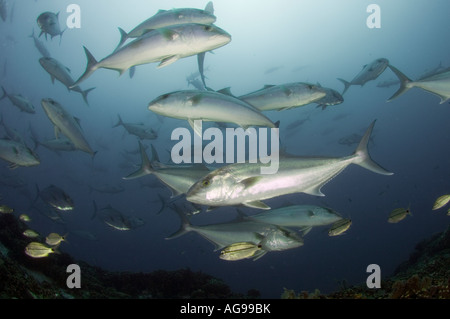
272 43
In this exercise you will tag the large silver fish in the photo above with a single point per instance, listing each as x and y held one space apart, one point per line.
243 183
49 24
179 178
438 84
270 237
194 105
165 45
284 96
19 101
17 154
65 123
369 72
165 18
298 216
140 130
60 72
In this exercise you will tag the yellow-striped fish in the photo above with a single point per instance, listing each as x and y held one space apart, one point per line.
238 251
39 250
441 201
398 214
339 227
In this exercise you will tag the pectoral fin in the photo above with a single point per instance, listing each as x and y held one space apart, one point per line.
256 204
167 61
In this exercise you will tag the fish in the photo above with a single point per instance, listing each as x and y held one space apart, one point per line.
24 218
369 72
284 96
12 133
194 105
138 129
39 250
49 24
165 45
54 239
166 18
3 10
339 227
270 237
398 214
179 178
332 97
60 72
56 198
40 46
17 154
441 201
388 83
298 216
438 84
108 189
243 183
29 233
239 251
22 103
66 124
57 144
115 219
4 209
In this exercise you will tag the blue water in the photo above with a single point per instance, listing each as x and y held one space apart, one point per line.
307 41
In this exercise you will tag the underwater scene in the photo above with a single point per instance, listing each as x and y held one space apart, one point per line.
224 149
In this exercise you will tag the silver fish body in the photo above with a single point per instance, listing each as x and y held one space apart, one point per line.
49 24
243 183
17 154
285 96
369 72
166 45
208 106
22 103
66 124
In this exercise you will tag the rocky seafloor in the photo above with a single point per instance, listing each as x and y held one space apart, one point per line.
426 275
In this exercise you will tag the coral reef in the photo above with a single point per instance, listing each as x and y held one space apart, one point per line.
23 277
425 275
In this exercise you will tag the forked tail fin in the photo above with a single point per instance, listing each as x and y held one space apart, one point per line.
90 68
363 157
404 80
146 167
346 85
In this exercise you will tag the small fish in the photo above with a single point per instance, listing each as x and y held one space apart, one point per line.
25 218
238 251
398 214
369 72
6 209
441 201
339 227
54 239
39 250
30 233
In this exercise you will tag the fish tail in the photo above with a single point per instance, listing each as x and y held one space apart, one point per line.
185 224
404 81
85 93
146 166
92 65
362 155
4 94
209 7
123 38
346 85
119 122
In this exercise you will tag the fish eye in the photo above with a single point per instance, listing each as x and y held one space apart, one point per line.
206 182
208 28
